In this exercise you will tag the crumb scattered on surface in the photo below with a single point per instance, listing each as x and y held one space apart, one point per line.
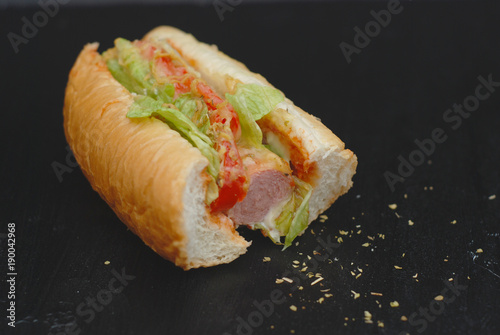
398 267
376 293
492 197
356 294
380 324
293 308
393 206
107 262
406 196
410 223
394 304
368 317
279 280
317 281
439 298
404 318
266 259
454 222
479 251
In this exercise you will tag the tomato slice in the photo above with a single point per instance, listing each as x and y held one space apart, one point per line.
233 180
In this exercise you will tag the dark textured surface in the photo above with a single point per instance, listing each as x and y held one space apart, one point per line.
396 90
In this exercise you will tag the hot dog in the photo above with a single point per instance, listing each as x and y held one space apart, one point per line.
185 144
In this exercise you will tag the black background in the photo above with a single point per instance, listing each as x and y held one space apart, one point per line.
395 91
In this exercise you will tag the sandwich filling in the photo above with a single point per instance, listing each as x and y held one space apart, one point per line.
250 181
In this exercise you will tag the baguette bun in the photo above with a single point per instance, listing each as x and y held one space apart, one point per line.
156 181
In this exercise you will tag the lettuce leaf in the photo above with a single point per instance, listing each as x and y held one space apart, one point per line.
132 70
300 220
144 106
195 109
252 102
294 217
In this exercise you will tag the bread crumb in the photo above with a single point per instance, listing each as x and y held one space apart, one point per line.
376 293
398 267
479 251
380 324
416 275
394 304
404 318
393 206
343 232
492 197
439 298
320 300
287 280
410 223
328 295
365 244
279 280
107 262
266 259
406 196
368 317
293 308
317 281
356 294
454 222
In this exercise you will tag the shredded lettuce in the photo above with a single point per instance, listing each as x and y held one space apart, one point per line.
195 109
294 217
133 71
146 107
252 102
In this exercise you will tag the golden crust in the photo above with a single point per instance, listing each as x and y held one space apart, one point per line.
139 168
